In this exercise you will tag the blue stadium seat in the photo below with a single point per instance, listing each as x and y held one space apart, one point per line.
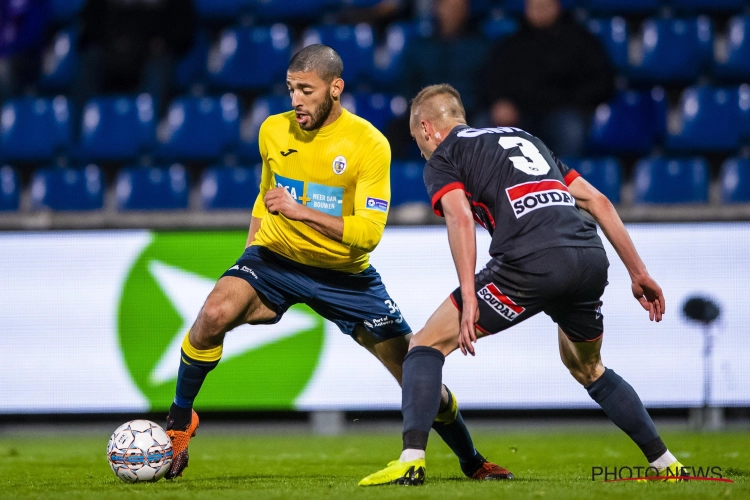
276 10
632 122
613 33
224 187
388 59
674 50
152 188
250 58
620 7
10 189
498 27
360 3
407 183
65 10
60 61
199 128
734 62
744 101
355 45
735 180
662 180
262 108
34 128
711 120
378 109
191 68
605 174
701 6
117 128
68 188
220 9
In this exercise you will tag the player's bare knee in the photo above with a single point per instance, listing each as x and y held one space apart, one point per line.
214 318
585 374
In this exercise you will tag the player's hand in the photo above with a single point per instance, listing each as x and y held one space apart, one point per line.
467 334
649 294
279 201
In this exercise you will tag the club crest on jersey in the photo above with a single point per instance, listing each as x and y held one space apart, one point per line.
499 302
530 196
339 165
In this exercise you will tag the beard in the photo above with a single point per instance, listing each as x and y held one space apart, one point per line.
320 114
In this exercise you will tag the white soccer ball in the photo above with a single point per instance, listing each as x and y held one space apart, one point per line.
138 451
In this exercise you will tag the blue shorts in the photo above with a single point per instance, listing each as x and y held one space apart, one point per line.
343 298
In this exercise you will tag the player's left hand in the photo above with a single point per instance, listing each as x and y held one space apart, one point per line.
279 201
467 335
648 293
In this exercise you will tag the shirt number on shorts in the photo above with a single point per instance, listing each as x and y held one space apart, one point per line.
392 307
531 160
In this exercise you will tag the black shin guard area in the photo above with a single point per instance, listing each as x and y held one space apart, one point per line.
420 396
622 405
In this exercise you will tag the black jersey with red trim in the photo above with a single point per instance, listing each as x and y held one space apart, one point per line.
517 189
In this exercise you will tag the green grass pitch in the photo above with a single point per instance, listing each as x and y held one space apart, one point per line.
549 462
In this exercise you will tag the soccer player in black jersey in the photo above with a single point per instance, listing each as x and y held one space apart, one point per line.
546 256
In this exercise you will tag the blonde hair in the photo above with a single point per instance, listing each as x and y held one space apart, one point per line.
438 102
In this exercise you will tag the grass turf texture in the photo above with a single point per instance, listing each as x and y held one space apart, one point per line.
548 463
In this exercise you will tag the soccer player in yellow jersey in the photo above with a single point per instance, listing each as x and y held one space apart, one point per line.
322 208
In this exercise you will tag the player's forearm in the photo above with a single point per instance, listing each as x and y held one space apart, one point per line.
606 216
462 241
327 225
254 226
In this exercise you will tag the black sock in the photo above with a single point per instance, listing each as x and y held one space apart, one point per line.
190 378
622 405
457 437
420 396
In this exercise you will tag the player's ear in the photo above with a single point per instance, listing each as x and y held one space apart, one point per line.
337 87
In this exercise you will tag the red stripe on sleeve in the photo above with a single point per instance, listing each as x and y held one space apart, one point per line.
571 176
441 193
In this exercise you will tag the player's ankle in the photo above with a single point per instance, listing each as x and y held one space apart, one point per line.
663 461
179 418
411 454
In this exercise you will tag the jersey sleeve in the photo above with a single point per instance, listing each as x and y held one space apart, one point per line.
372 198
440 177
569 174
266 177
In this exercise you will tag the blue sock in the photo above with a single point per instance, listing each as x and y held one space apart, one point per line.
194 366
420 396
451 427
622 405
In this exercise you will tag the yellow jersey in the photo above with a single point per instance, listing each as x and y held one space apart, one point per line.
343 170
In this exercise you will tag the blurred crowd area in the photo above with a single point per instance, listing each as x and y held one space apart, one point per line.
155 104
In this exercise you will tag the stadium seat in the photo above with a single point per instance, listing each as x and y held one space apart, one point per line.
67 188
10 189
117 128
191 68
744 101
280 10
388 60
262 108
152 188
661 180
199 128
711 120
220 9
673 50
65 10
613 33
250 58
605 174
735 180
407 183
701 6
34 129
224 187
60 61
632 122
378 109
620 7
361 3
733 60
355 45
498 27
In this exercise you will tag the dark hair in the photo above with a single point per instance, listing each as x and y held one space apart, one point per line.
319 58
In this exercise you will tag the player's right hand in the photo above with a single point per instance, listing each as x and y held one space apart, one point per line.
467 334
648 293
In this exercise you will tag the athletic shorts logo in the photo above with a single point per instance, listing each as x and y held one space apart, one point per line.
500 302
339 165
377 204
529 196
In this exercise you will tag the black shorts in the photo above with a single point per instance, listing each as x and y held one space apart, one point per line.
566 283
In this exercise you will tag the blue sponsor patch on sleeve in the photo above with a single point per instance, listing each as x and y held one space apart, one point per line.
377 204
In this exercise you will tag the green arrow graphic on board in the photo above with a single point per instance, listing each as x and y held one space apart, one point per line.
263 366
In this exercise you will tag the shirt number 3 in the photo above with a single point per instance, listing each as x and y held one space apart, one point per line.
531 160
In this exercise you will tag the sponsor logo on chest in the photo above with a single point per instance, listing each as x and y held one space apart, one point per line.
499 302
530 196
